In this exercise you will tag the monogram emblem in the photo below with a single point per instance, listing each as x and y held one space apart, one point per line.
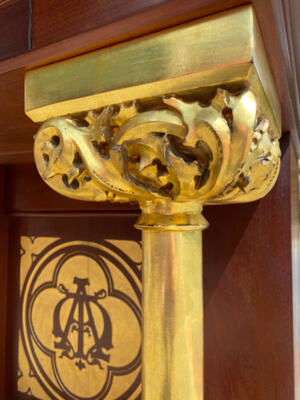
83 325
81 322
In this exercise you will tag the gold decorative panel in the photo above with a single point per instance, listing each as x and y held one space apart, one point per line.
80 334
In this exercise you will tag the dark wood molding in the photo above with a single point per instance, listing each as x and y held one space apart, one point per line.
81 16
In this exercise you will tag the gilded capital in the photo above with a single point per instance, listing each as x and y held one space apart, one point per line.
172 149
189 115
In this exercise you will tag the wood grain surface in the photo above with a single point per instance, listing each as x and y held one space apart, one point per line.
248 297
15 28
16 129
29 194
76 16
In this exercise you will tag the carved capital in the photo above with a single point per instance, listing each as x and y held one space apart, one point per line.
171 149
187 115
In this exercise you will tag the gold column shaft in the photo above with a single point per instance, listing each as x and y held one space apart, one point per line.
172 315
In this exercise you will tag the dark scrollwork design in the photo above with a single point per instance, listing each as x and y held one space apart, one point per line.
82 301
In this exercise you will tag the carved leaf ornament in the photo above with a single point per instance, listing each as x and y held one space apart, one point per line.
219 152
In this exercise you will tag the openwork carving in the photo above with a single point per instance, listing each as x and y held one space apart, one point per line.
224 151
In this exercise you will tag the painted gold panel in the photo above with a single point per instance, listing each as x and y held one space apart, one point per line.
80 334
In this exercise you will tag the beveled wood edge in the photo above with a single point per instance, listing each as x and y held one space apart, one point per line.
4 229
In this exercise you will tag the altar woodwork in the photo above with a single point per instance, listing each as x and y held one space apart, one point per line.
172 127
168 137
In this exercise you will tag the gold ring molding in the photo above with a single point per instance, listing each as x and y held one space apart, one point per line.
173 121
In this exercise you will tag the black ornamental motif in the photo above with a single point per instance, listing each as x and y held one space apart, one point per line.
84 325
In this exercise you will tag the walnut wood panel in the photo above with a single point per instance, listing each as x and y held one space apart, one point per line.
15 28
248 297
82 16
16 130
27 193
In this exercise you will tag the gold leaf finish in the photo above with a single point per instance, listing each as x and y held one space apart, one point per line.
174 150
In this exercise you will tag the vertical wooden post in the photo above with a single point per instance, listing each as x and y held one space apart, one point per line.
3 280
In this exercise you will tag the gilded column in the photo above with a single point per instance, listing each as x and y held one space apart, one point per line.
172 300
172 160
173 140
